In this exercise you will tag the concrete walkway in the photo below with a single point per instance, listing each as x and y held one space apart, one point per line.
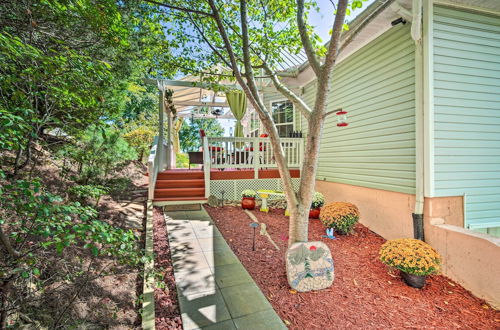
215 291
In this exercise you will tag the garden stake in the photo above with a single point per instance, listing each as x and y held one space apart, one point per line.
222 198
254 225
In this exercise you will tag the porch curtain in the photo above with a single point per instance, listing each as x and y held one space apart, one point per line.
177 128
238 104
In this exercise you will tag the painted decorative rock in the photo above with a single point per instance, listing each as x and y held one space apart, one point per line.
309 266
213 201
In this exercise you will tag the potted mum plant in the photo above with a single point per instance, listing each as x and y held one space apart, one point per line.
318 201
414 258
248 199
340 216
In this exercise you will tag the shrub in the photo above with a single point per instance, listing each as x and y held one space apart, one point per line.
83 192
340 216
248 193
411 256
318 200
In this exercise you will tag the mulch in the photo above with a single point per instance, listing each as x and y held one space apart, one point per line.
365 292
167 312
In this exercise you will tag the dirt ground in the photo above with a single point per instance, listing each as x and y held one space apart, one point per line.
365 293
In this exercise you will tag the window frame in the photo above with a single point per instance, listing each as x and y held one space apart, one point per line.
293 113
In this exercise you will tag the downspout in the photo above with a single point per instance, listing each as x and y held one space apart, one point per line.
416 33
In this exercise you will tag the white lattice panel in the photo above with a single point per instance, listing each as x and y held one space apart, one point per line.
233 188
295 182
228 186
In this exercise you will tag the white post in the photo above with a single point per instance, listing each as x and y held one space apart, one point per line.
206 166
159 148
256 157
169 138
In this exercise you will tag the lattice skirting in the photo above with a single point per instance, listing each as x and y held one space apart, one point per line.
233 188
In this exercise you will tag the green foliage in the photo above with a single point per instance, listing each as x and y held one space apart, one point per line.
318 200
248 193
341 216
118 185
189 134
84 192
141 140
98 150
181 160
44 232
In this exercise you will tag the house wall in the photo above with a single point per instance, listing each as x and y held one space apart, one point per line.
376 85
467 113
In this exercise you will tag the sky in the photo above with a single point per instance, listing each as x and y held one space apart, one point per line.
322 21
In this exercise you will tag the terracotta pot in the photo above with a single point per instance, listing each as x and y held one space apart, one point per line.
248 203
415 281
314 213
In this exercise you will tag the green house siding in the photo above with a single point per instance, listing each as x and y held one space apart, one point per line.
376 85
467 112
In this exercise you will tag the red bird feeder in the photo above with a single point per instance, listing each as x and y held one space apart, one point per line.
341 118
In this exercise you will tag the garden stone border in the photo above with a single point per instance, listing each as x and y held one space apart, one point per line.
148 299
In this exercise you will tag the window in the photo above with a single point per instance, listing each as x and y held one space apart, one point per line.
254 124
283 117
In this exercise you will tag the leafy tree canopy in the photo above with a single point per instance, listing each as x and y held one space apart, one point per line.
189 134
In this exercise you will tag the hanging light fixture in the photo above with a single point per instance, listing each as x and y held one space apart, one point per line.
341 118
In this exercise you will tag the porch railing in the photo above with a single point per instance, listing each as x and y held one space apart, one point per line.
155 164
256 153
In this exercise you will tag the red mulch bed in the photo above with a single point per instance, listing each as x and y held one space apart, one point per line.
365 293
167 314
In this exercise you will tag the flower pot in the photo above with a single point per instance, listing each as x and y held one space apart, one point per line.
314 213
415 281
248 203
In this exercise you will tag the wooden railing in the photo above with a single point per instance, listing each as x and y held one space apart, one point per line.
256 153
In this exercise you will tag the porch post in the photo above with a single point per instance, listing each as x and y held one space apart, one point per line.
159 147
169 138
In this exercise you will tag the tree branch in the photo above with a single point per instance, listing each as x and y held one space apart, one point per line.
301 105
214 49
6 243
333 46
186 10
306 41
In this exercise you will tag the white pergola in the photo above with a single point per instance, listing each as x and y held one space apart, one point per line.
189 95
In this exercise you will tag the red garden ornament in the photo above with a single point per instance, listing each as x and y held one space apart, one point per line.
341 118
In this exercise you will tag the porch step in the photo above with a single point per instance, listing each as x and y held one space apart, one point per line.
181 183
180 192
180 199
180 175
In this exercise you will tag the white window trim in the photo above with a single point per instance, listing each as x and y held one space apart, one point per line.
293 112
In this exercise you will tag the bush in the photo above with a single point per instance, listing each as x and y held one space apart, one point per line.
340 216
411 256
83 192
318 200
97 152
248 193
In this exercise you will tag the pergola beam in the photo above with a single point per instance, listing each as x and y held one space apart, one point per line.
202 104
184 83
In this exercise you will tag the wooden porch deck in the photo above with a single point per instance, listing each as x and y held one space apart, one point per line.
189 184
235 173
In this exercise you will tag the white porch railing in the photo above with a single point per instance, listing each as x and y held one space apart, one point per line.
155 165
256 153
